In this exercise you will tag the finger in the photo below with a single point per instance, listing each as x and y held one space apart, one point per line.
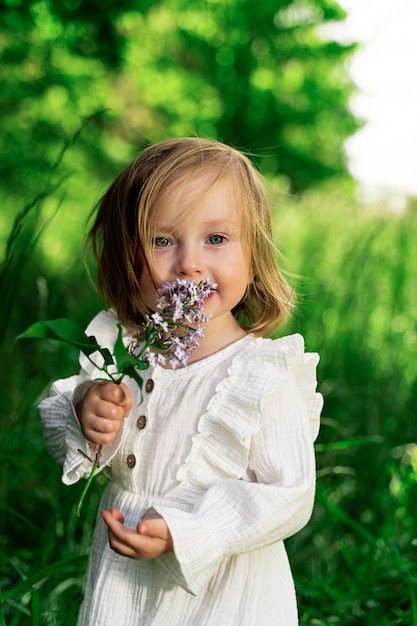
118 394
127 400
123 546
122 549
98 439
119 537
117 515
101 430
137 546
100 425
154 528
126 541
109 410
114 521
129 542
157 531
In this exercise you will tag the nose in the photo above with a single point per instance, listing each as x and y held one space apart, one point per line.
189 262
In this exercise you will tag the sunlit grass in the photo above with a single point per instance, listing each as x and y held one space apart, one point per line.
355 563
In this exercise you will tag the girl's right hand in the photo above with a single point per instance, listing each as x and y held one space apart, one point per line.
102 411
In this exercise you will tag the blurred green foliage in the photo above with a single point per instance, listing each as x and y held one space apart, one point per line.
261 76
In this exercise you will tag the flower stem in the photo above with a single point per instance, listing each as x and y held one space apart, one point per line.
86 487
89 481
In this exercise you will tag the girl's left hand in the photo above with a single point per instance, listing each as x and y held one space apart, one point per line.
150 539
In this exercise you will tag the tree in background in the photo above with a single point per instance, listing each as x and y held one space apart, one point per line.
262 76
259 75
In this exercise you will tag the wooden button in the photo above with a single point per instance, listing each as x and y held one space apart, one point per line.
141 422
149 385
131 461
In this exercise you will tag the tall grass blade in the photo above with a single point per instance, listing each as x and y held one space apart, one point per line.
35 608
413 604
2 616
60 567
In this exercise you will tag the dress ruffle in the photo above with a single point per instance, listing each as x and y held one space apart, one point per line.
220 450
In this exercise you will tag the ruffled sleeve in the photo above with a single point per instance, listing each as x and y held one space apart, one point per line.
251 471
62 431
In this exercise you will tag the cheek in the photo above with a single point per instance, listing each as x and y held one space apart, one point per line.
243 258
237 275
235 263
161 263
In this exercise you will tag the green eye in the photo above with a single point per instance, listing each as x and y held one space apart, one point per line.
217 239
161 242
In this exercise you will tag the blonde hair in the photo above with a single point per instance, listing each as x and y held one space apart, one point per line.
122 232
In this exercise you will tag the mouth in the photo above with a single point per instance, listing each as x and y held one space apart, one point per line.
209 298
212 291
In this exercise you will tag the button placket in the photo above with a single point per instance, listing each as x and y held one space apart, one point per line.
140 424
142 419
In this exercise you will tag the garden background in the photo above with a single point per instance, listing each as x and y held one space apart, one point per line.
85 86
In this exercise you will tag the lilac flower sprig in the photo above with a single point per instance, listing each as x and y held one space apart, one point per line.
174 330
169 336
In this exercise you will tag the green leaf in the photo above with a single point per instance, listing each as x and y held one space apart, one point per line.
132 372
62 330
107 356
126 363
123 358
138 363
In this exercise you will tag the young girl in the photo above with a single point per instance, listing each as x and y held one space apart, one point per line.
212 466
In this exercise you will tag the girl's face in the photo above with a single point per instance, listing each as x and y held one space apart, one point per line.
200 236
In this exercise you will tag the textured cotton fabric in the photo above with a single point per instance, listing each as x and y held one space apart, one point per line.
226 457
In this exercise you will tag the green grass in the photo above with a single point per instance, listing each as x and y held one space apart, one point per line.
355 562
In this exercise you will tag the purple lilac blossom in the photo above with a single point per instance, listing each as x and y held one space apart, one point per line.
173 331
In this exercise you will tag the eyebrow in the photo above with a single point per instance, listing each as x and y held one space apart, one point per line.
215 224
221 222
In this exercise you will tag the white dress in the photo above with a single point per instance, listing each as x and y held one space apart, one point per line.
223 450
